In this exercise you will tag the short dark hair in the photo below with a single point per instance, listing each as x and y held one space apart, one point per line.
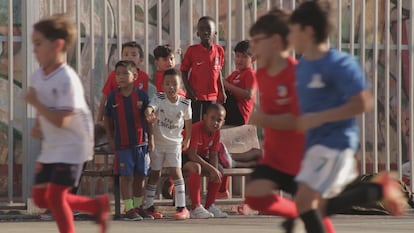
162 51
55 27
129 65
243 47
133 44
316 14
217 107
272 23
172 71
206 17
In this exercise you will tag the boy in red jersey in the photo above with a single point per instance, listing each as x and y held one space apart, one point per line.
202 156
240 87
65 124
201 69
125 126
283 146
131 51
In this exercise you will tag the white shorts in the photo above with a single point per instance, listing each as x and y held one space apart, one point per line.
327 170
165 157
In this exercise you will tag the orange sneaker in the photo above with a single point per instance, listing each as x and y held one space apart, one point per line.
392 197
154 213
102 215
223 195
182 214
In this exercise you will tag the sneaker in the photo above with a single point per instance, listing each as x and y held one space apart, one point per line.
223 195
154 213
168 189
144 214
132 215
182 214
393 199
217 212
200 213
102 215
46 216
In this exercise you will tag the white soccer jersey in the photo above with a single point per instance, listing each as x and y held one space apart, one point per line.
62 90
171 117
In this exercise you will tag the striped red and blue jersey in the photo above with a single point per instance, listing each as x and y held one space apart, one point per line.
127 115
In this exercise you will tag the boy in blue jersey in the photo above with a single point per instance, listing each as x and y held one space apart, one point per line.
332 91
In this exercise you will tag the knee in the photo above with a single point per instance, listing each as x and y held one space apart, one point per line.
39 197
193 167
153 177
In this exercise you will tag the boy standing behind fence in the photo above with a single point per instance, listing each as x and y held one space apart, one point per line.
201 69
168 113
66 125
126 131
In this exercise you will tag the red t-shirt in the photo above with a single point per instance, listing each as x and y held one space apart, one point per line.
283 149
202 142
204 67
159 78
245 79
141 82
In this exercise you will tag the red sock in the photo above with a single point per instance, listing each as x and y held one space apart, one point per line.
60 208
82 203
224 184
39 197
212 189
194 189
273 205
329 227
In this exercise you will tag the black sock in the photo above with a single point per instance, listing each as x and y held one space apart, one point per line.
364 193
313 221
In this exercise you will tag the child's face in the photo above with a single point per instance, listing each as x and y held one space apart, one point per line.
214 119
296 38
131 54
206 30
124 77
242 61
263 47
165 63
171 85
44 50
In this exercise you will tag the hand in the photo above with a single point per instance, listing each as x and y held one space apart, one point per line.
185 144
215 175
31 97
308 121
151 117
257 117
111 143
191 94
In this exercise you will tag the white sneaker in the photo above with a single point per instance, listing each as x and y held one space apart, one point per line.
217 212
200 212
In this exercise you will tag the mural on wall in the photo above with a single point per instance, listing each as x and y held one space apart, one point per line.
103 63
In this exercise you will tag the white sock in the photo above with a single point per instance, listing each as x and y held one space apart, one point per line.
150 190
179 193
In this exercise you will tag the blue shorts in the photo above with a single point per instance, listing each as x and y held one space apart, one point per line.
59 173
134 160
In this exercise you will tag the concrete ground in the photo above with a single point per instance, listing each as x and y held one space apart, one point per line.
233 224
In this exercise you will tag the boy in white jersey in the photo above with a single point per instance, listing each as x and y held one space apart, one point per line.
168 113
65 122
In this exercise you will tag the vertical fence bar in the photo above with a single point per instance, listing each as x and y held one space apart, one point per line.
217 19
119 26
203 7
399 88
363 130
78 41
352 32
175 25
411 47
240 13
132 20
159 22
106 63
10 75
339 20
92 75
254 11
64 6
146 31
267 5
387 86
50 7
229 37
375 87
190 22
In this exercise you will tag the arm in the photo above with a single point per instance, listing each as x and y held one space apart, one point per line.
101 109
357 104
186 140
151 118
58 118
237 91
188 88
109 128
285 121
36 131
222 97
193 156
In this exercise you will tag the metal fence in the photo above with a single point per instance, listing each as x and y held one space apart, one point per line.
378 32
